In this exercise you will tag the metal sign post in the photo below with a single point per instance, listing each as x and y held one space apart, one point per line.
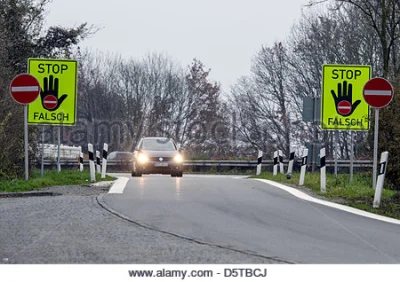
26 142
335 152
378 93
376 136
351 156
24 89
42 164
58 150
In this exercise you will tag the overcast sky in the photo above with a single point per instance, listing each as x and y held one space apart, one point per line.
223 34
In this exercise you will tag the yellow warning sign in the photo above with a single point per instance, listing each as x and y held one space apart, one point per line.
343 105
56 104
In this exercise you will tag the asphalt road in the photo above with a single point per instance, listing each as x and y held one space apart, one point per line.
256 218
75 229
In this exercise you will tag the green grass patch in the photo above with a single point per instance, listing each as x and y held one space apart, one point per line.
49 179
359 194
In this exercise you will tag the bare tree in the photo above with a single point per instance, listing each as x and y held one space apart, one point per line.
152 96
271 71
252 129
384 18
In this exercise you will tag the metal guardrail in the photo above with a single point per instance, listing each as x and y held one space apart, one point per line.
215 163
253 164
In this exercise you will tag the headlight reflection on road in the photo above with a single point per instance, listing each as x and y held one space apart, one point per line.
141 186
177 189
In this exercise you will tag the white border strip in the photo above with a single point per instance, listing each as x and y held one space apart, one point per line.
378 92
24 88
119 186
306 197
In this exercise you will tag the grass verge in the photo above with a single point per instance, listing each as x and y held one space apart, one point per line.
359 194
50 178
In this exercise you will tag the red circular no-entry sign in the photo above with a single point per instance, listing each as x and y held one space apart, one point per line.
344 108
378 92
24 88
50 102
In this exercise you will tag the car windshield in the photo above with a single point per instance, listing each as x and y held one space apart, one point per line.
158 145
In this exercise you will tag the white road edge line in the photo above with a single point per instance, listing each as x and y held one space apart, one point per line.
306 197
119 186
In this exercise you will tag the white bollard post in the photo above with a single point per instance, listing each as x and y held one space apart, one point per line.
275 163
290 165
104 165
80 159
98 164
322 154
303 166
381 179
281 161
259 162
91 163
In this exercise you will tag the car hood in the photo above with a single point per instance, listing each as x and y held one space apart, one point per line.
164 154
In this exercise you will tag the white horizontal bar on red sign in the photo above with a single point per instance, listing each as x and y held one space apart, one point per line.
24 88
378 92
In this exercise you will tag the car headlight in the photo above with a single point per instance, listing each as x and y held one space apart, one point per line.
142 158
178 159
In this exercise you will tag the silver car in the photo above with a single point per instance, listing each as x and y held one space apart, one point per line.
157 155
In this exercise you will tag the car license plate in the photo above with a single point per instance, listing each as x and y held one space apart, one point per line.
161 164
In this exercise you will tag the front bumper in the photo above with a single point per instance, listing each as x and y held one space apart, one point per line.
158 167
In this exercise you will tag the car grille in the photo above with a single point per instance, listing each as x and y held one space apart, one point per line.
157 159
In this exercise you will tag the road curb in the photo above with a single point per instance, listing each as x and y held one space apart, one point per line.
28 194
301 195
